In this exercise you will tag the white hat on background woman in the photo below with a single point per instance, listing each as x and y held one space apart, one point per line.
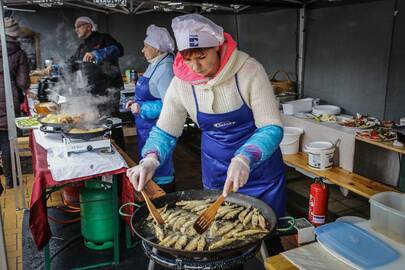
159 38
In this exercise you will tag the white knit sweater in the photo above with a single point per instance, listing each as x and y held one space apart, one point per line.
220 95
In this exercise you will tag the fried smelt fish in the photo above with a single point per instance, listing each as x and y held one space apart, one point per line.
262 222
201 243
255 220
192 245
168 239
222 243
193 204
223 210
248 217
173 215
243 214
190 231
187 225
181 242
233 213
213 229
172 221
166 214
226 228
231 233
160 235
172 241
161 211
180 221
249 233
200 208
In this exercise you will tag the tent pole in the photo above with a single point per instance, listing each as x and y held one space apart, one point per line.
301 49
3 254
12 131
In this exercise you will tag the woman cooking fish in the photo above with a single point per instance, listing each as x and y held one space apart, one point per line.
149 93
227 93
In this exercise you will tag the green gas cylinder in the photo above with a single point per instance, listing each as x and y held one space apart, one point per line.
96 212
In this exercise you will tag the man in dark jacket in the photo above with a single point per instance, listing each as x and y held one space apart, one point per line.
20 82
97 57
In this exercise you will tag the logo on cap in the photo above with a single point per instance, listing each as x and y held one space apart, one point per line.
193 41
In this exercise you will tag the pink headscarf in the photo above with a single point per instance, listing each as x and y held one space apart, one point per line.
183 72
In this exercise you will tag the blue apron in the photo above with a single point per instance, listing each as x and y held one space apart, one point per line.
222 135
144 126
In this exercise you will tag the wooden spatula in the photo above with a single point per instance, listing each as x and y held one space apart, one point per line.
204 221
152 209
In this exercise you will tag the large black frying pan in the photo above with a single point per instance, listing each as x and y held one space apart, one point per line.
103 124
139 216
86 135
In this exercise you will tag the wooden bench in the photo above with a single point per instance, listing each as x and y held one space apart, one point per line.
279 262
356 183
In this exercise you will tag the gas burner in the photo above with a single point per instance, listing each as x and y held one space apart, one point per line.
79 146
180 263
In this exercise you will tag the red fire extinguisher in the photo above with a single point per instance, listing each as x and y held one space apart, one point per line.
318 202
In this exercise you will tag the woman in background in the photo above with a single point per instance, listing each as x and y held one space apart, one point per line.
150 91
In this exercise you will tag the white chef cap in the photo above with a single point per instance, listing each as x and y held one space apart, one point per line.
196 31
159 38
85 19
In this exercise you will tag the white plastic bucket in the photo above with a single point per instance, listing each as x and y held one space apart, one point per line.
291 140
320 154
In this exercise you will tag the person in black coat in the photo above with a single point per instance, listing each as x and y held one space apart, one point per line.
20 82
98 57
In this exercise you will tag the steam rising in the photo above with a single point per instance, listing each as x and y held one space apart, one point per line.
75 86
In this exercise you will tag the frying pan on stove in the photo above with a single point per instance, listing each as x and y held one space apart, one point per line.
139 216
87 133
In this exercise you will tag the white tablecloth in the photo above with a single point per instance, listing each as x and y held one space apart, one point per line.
77 164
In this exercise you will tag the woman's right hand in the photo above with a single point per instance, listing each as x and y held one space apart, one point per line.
144 172
135 108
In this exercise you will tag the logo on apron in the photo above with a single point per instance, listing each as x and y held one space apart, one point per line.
224 124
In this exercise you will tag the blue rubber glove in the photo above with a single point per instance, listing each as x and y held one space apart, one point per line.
261 145
151 109
109 52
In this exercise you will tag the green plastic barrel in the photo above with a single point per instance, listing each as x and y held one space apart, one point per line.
96 212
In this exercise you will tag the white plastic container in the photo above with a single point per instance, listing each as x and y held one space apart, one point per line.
296 106
326 110
290 143
387 214
320 154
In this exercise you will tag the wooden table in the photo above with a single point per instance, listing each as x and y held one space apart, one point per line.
391 147
279 262
356 183
386 145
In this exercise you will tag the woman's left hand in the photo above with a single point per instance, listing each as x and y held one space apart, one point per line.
237 175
